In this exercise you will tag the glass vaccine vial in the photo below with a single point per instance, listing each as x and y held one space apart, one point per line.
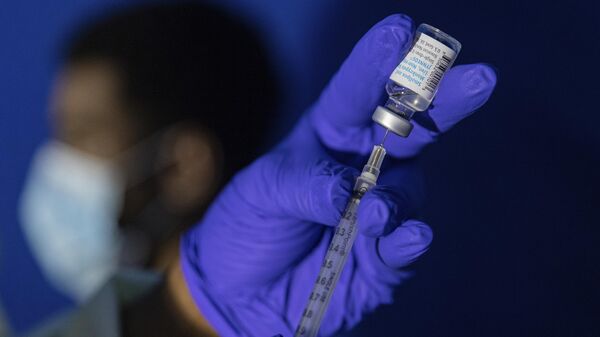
414 83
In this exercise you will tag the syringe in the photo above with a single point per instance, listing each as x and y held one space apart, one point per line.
339 249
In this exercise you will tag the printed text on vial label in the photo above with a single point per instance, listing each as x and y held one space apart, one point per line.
424 65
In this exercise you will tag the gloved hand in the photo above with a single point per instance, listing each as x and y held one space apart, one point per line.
252 261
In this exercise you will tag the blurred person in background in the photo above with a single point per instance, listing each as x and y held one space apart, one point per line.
151 115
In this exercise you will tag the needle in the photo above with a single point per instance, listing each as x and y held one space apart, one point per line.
384 137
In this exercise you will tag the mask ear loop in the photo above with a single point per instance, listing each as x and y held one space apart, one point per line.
149 150
146 150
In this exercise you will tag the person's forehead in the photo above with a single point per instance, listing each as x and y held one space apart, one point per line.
87 83
87 107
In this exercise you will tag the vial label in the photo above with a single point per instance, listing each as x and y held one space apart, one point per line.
424 65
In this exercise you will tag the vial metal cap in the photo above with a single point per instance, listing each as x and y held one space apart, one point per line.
391 121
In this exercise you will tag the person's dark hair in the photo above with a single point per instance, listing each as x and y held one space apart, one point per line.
187 63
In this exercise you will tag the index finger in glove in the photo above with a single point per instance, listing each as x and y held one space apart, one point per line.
355 90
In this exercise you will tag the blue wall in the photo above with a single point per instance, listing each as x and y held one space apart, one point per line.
512 191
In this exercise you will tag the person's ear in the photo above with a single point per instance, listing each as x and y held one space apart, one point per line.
194 173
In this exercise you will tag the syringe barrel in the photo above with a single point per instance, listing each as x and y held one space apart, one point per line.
339 249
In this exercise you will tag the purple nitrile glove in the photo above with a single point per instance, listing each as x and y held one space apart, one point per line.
252 261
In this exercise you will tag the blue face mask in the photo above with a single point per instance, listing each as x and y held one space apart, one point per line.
69 211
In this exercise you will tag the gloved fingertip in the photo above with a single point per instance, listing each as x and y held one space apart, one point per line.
381 210
480 78
419 235
463 90
373 216
398 20
405 244
332 189
391 38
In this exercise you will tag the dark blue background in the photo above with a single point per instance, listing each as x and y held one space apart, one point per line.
512 191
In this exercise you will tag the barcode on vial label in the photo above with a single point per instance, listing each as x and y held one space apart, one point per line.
437 74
